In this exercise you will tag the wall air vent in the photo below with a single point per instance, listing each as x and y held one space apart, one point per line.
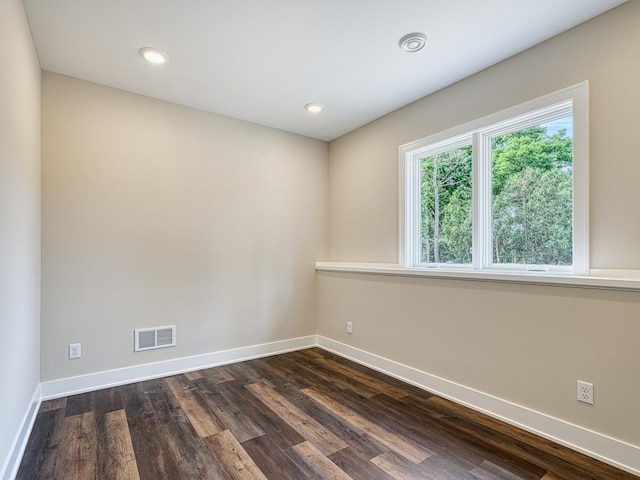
156 337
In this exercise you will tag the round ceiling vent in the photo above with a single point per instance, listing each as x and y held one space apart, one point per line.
413 42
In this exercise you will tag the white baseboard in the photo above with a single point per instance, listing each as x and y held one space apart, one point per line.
12 463
609 450
122 376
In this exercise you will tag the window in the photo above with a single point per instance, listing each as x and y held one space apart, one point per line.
506 192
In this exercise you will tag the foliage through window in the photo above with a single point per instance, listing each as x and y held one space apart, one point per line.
508 192
532 187
446 199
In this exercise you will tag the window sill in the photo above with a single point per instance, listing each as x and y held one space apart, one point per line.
600 279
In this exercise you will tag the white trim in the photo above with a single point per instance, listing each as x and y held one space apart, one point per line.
12 462
497 117
600 279
137 373
581 261
480 212
609 450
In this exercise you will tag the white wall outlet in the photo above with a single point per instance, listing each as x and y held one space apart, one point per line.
75 351
585 392
349 327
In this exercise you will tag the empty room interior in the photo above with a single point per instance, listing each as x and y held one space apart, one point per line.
319 239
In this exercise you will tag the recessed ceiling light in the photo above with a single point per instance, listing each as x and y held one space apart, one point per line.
313 107
413 42
153 55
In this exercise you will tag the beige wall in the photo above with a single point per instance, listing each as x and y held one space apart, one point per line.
157 214
525 344
19 221
364 164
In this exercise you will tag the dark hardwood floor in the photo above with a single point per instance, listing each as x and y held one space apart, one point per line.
301 415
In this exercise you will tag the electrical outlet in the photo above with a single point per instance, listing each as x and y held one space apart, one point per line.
585 392
349 327
75 351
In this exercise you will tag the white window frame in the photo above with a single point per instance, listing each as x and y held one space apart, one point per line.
572 100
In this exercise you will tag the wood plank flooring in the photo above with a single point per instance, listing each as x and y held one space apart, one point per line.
302 415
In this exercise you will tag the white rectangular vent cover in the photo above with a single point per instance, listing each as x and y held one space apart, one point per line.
156 337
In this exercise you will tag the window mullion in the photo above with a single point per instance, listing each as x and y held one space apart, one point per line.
482 150
477 200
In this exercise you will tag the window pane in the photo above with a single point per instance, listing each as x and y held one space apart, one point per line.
532 189
446 196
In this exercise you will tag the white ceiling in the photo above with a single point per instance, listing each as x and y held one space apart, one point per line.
263 60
